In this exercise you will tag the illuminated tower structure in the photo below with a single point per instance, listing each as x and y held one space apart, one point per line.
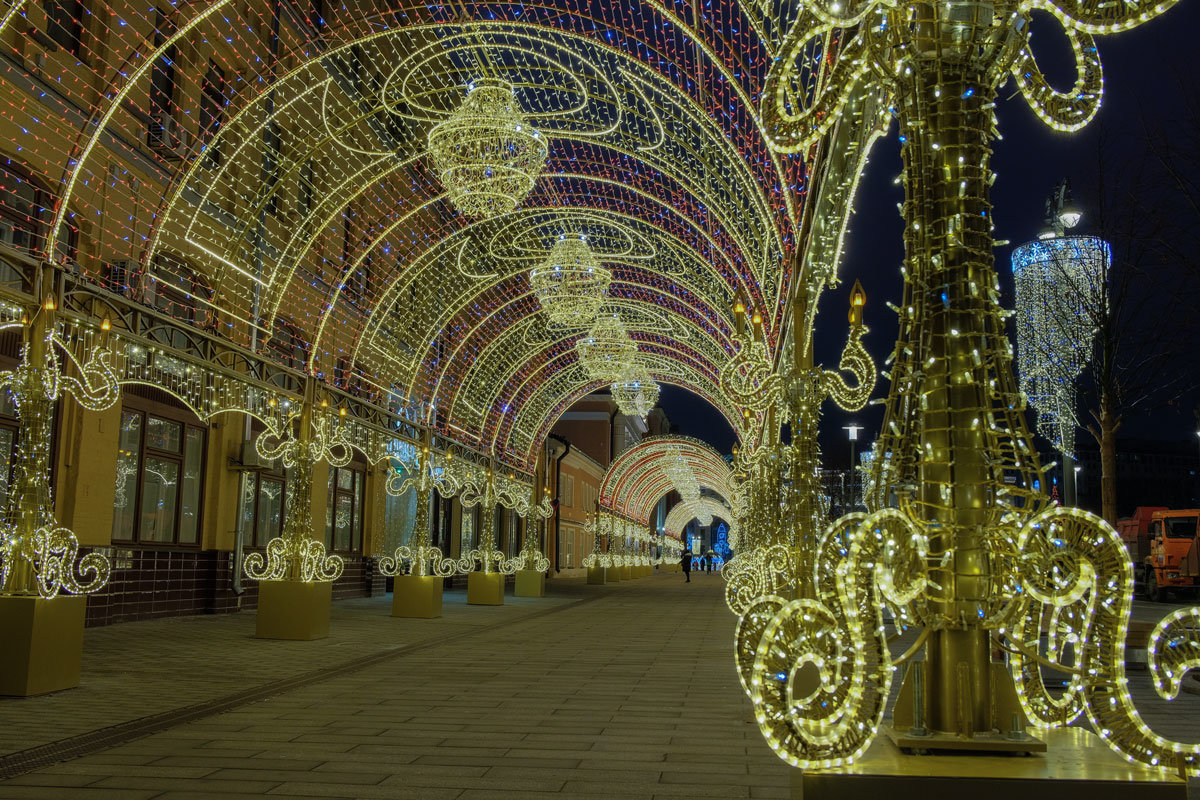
974 556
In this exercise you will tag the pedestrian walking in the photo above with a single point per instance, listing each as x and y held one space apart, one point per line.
686 563
709 558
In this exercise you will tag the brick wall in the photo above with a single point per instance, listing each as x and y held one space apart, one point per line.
149 584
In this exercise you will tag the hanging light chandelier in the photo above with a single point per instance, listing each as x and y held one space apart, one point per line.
637 393
571 284
606 351
485 154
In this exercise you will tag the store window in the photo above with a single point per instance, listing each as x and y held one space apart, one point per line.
160 476
8 446
260 518
467 537
344 512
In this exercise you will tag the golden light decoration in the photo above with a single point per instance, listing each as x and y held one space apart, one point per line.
422 555
486 154
975 555
301 437
637 394
571 284
606 351
37 555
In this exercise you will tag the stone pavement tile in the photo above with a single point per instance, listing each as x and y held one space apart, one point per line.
251 772
363 792
199 794
86 766
217 762
507 761
53 779
490 794
216 787
14 792
624 790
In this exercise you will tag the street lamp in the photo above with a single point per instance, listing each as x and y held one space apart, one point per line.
852 431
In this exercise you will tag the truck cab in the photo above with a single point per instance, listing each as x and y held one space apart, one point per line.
1174 559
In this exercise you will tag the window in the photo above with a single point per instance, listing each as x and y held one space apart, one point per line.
162 77
64 24
272 143
467 537
9 432
260 516
22 209
212 112
343 515
305 189
160 474
567 494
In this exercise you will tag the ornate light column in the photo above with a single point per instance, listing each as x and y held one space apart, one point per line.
419 592
41 629
531 564
972 556
295 573
597 562
485 586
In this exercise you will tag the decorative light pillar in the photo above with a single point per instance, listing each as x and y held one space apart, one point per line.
531 575
41 628
973 555
296 574
418 593
485 585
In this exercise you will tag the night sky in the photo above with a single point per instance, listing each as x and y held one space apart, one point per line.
1142 89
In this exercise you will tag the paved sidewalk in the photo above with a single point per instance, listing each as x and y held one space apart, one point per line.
624 691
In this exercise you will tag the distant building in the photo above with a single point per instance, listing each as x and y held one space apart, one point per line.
1149 473
582 444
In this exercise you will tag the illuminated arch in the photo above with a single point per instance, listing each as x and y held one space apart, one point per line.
682 513
639 477
657 149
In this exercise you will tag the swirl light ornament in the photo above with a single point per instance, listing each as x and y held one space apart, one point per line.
486 154
300 438
783 510
571 285
973 556
749 379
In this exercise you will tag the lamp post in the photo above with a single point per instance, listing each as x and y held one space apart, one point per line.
852 432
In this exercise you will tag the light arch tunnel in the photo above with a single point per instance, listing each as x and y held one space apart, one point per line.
643 474
259 174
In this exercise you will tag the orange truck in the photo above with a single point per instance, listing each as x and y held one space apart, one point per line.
1164 544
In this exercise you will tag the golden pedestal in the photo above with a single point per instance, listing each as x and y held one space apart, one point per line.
626 573
417 596
1077 764
485 589
42 643
596 575
530 583
613 574
293 610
